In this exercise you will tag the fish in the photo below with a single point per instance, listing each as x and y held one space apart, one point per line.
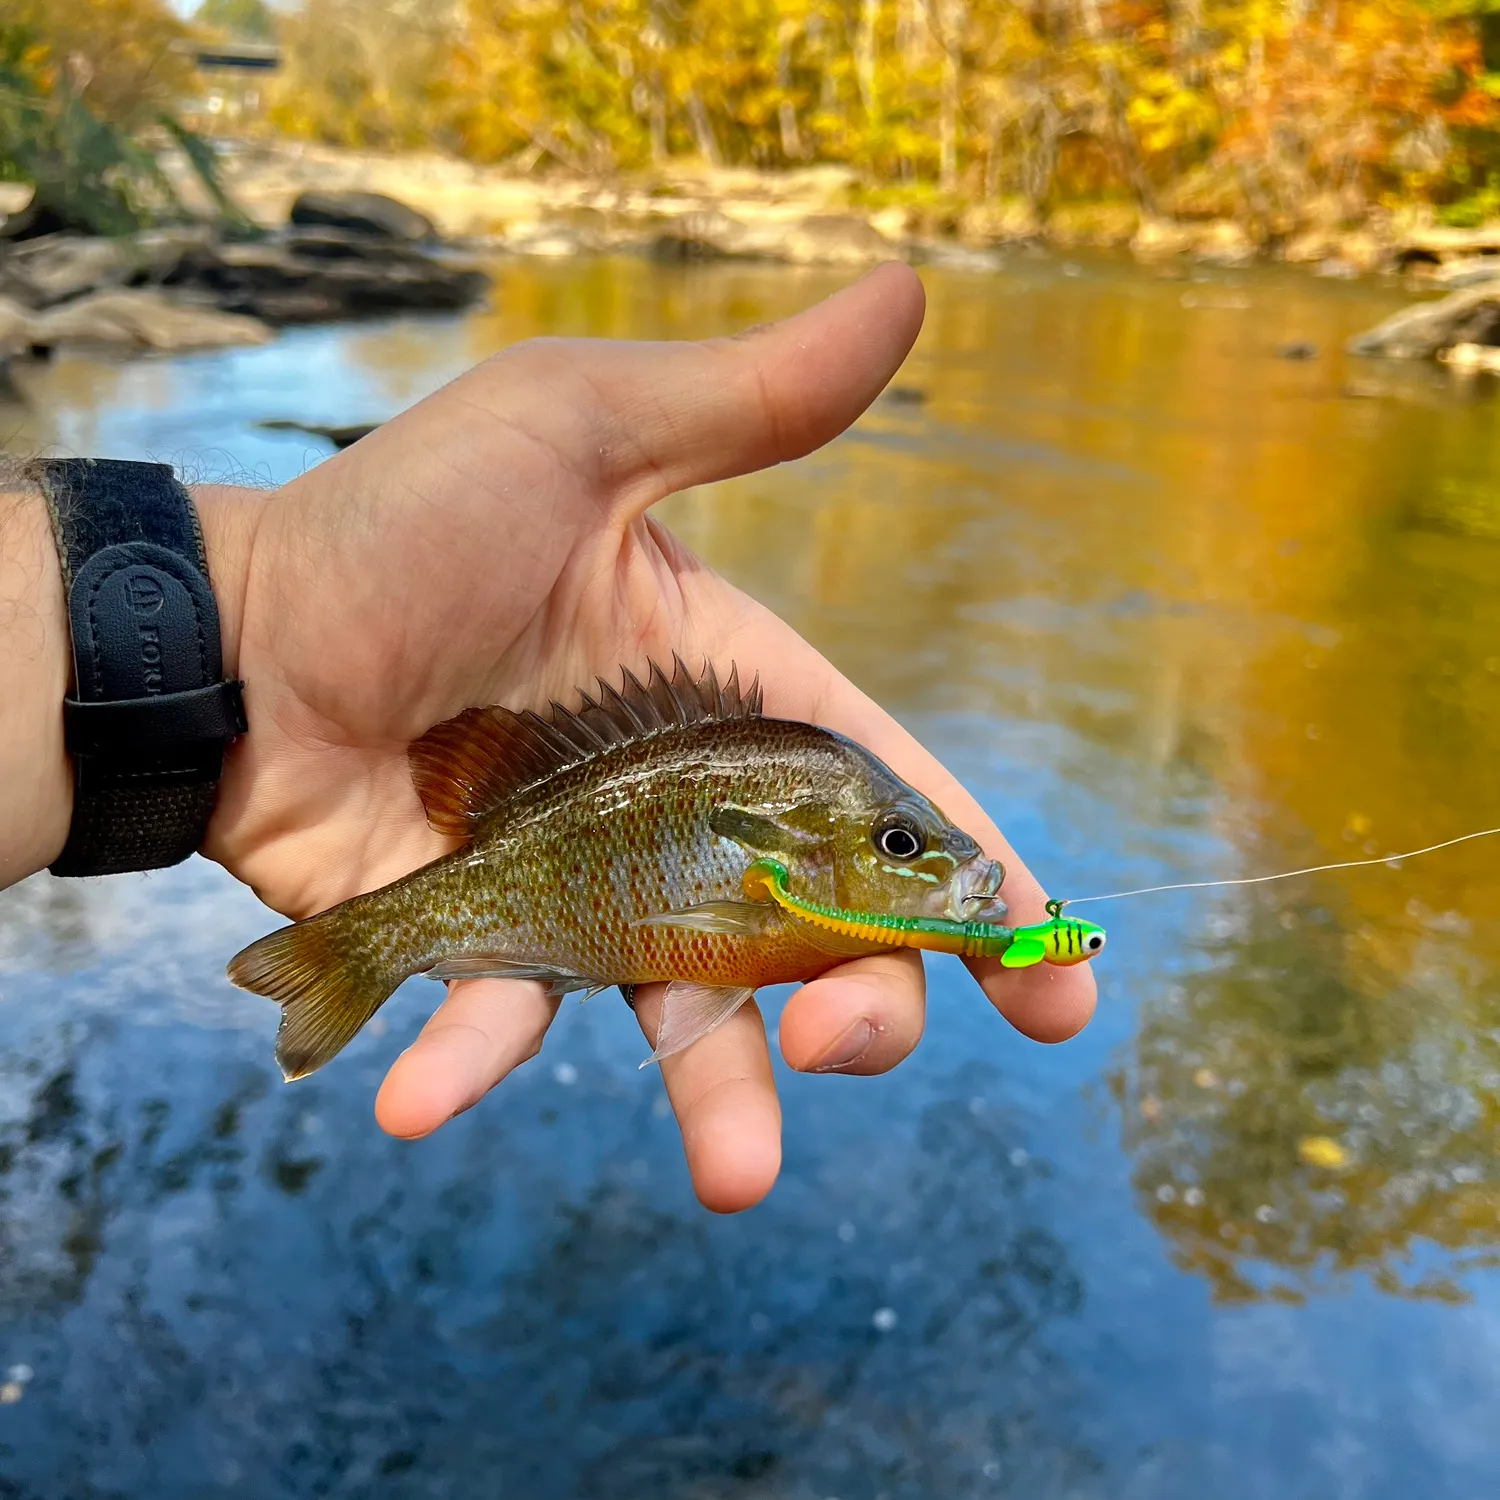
617 844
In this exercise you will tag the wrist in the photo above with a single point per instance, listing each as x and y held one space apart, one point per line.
36 781
36 666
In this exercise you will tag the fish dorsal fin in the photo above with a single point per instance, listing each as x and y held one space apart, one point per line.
467 766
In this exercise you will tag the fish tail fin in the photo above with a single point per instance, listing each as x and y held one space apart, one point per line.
326 981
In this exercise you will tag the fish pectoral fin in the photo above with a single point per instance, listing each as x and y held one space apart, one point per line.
690 1011
768 830
497 966
1023 952
727 918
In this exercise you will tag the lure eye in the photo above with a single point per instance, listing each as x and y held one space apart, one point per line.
1096 942
899 838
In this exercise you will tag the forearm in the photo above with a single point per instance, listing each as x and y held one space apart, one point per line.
36 777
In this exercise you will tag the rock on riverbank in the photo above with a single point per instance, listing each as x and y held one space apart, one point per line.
817 215
341 256
1470 316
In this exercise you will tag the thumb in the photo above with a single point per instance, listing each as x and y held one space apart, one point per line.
660 417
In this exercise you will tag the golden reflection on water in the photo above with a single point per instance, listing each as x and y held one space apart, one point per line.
1261 598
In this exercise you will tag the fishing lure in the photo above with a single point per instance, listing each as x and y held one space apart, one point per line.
1059 940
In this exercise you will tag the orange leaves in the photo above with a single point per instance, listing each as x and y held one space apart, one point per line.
1283 106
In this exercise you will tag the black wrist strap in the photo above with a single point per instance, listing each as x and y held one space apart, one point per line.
149 715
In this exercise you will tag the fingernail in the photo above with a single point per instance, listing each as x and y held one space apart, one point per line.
849 1048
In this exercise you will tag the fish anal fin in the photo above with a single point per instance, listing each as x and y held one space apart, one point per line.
497 966
465 767
689 1012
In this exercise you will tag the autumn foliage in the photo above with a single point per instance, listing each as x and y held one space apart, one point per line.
1257 109
1269 111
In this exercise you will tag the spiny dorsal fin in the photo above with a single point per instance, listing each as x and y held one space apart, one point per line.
467 766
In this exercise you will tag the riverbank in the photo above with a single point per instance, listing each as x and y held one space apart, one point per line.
813 216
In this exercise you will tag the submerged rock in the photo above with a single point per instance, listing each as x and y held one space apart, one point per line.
1471 316
340 437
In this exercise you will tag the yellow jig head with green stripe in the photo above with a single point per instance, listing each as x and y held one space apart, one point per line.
1059 940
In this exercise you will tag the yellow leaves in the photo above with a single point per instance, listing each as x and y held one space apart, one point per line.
1322 1151
1112 98
122 55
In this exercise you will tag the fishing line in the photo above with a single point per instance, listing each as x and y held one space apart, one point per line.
1345 864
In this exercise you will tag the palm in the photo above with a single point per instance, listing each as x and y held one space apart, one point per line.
491 545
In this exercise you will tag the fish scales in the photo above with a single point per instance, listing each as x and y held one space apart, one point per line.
558 875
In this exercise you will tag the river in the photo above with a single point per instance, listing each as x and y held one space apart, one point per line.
1177 608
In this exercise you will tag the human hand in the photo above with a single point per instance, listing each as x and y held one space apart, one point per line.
492 545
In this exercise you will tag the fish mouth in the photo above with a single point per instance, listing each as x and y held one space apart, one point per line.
975 892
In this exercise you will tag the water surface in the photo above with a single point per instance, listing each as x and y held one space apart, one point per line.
1177 609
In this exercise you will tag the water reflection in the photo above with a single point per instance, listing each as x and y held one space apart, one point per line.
1177 608
1315 1100
633 1348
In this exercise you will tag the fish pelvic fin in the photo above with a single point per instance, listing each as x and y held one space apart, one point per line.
689 1012
326 982
1023 952
465 767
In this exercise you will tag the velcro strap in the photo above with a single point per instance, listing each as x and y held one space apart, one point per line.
149 717
146 726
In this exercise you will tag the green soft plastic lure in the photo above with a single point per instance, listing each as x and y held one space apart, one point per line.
1059 940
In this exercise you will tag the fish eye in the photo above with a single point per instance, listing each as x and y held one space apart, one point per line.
898 837
1096 942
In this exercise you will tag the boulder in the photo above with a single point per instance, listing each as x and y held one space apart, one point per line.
318 274
55 267
549 241
1466 359
1471 316
825 240
1160 239
1470 270
15 328
818 240
996 223
1222 242
370 214
706 235
141 320
944 255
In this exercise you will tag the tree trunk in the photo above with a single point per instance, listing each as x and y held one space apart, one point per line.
949 21
703 130
791 137
864 56
948 124
1114 87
